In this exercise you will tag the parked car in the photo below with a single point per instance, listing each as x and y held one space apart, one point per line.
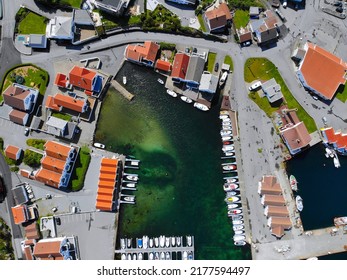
325 121
26 131
339 9
54 209
99 145
216 67
58 221
315 97
338 4
255 86
284 4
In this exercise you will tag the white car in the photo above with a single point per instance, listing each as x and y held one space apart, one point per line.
99 145
255 86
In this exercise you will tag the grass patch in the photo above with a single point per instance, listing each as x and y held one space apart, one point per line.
32 158
72 3
167 46
36 143
32 24
62 116
341 93
202 23
264 69
241 18
134 20
81 167
228 60
34 77
210 61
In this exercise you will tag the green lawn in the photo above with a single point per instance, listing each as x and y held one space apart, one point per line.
134 20
62 116
33 77
341 93
32 24
210 61
81 167
202 23
263 69
73 3
228 60
241 18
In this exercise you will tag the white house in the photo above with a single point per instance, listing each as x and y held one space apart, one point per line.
60 28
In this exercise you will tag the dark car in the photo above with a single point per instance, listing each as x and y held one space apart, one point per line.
216 67
338 4
58 221
2 190
339 9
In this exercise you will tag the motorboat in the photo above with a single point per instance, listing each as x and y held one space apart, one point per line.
186 99
238 227
230 187
239 232
151 256
229 167
129 241
132 177
224 117
235 212
122 243
178 241
228 153
167 241
226 127
189 240
224 112
233 206
293 183
337 162
162 256
232 199
156 242
129 198
200 106
171 93
135 256
225 132
190 256
226 138
162 241
145 241
167 256
140 257
129 257
156 255
130 185
160 81
329 152
226 122
299 203
239 237
185 255
228 148
151 243
232 193
124 257
227 142
173 241
240 243
237 222
236 217
231 180
139 243
124 80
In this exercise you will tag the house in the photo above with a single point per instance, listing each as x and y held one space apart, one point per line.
244 35
114 7
278 225
265 30
277 211
20 97
59 101
31 231
275 200
13 152
23 213
296 137
336 139
218 18
18 117
56 165
86 79
321 72
60 28
180 67
195 69
269 185
208 83
82 17
20 194
254 12
36 41
272 90
59 248
61 128
163 65
184 2
145 54
61 80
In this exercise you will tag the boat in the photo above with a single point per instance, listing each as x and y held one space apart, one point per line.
186 99
130 185
239 237
227 142
237 222
140 257
236 217
226 138
235 212
340 221
239 232
124 257
225 133
122 243
129 198
178 241
190 256
173 241
228 153
129 257
156 242
238 227
167 256
232 199
129 240
231 180
240 243
171 93
337 162
156 256
160 81
139 243
226 127
200 106
329 152
226 122
224 117
224 112
230 187
189 240
233 206
299 203
151 256
162 241
232 193
229 167
124 80
132 177
151 243
293 183
134 256
162 256
167 241
145 241
185 255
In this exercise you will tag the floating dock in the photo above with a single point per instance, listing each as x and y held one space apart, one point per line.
122 90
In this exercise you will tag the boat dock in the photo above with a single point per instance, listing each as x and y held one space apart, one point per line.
122 90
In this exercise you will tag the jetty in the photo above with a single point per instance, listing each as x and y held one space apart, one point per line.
122 90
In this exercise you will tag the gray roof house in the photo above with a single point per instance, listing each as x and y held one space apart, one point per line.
272 90
265 30
37 41
61 128
20 194
82 17
60 28
115 7
208 83
194 71
254 12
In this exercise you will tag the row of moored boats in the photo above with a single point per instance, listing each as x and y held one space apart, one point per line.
231 183
129 181
186 99
156 242
185 255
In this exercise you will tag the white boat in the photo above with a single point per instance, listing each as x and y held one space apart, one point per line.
299 203
231 180
132 178
224 112
167 256
186 99
224 117
151 256
167 241
185 255
189 240
239 243
178 241
233 206
231 193
124 257
200 106
162 241
151 243
134 256
229 167
129 198
130 185
173 241
156 255
230 187
122 243
129 241
162 256
239 237
236 217
171 93
329 152
129 257
140 257
225 132
337 162
227 127
226 122
228 148
237 222
226 138
156 242
239 232
124 80
232 199
238 227
235 212
160 81
145 241
228 153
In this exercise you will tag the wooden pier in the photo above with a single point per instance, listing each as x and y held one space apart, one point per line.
122 90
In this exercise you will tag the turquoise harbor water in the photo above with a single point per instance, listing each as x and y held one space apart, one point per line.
180 188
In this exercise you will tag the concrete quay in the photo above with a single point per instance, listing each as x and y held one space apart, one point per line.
122 90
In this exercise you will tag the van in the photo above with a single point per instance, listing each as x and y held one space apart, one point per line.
73 209
255 86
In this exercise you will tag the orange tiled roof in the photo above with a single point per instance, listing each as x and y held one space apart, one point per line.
47 249
106 184
220 11
180 66
70 102
53 164
108 170
109 162
104 197
147 51
57 150
296 136
323 71
18 213
48 177
102 205
107 177
50 103
163 65
105 191
12 151
60 80
82 77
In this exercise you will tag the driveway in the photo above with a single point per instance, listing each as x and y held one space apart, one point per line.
183 11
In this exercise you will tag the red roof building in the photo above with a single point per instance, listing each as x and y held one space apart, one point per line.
269 185
335 138
84 78
13 152
61 80
218 17
15 97
163 65
180 66
144 54
60 101
18 117
321 72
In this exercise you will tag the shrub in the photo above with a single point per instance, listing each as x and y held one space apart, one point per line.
36 143
32 158
81 167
